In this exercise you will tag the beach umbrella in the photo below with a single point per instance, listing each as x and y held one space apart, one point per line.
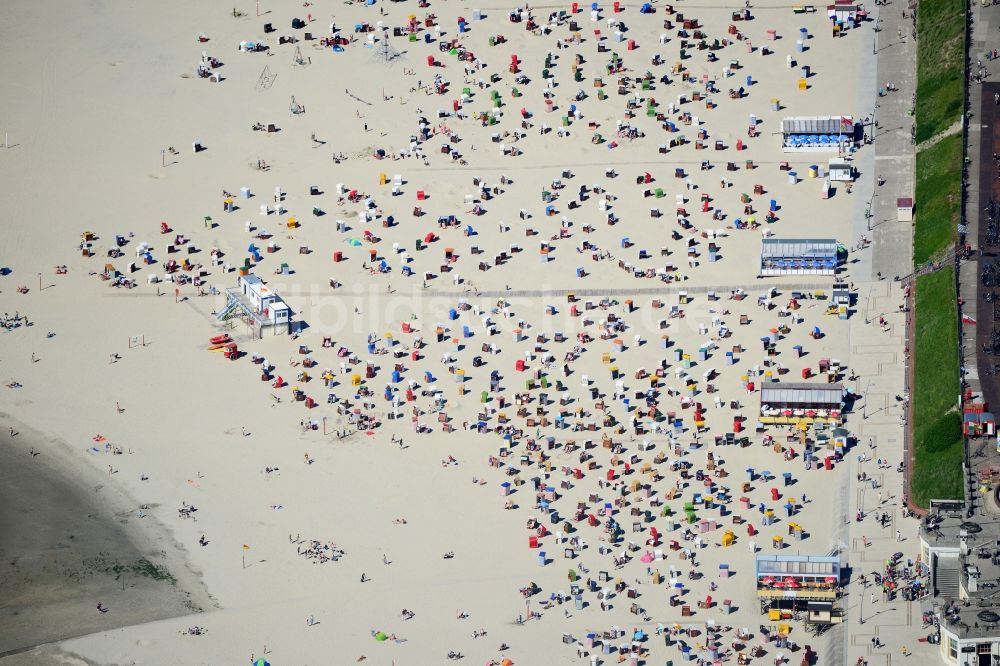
262 662
380 636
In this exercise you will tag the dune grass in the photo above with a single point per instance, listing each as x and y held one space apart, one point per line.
940 66
938 199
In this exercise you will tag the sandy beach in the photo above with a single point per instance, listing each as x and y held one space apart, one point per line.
561 301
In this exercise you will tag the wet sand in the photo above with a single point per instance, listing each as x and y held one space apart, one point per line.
69 541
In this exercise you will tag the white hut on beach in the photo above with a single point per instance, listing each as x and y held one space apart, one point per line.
259 306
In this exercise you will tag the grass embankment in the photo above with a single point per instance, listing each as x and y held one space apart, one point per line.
940 71
937 429
939 197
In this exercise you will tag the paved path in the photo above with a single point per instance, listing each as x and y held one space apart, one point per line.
878 358
983 141
894 150
931 142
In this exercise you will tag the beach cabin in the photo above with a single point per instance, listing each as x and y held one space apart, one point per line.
904 209
977 421
840 171
786 583
845 13
792 402
798 256
810 134
840 300
820 612
257 305
816 569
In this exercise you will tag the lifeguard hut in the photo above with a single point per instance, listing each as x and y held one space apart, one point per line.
257 305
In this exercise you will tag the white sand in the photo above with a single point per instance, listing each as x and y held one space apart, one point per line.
88 113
